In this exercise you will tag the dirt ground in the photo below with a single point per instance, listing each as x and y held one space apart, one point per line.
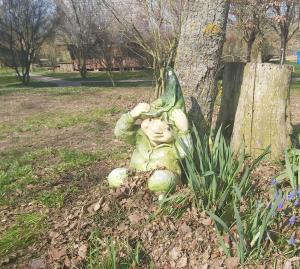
65 138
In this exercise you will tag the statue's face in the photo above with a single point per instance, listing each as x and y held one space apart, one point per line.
157 131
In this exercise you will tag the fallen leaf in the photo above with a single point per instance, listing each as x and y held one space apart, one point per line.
105 208
232 262
185 229
67 262
134 218
38 263
56 253
97 205
174 253
182 262
82 251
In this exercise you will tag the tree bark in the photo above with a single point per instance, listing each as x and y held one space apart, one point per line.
263 114
198 57
232 82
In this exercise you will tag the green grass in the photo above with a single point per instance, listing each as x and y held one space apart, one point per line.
24 232
40 167
98 76
55 120
119 84
8 80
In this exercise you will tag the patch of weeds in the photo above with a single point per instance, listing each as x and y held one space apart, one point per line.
74 159
23 233
16 177
108 254
17 170
54 199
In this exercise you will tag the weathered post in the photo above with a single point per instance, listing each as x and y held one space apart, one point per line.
263 114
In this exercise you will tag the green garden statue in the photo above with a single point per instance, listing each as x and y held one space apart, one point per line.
161 140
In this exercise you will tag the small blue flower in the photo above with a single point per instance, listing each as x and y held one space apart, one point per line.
292 220
274 182
281 204
296 203
298 192
291 195
292 241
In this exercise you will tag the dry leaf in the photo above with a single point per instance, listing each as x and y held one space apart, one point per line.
97 205
37 264
182 262
185 229
134 218
174 253
232 262
82 251
56 253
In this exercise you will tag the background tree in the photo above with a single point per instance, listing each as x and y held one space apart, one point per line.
79 29
249 16
199 55
153 28
24 27
284 19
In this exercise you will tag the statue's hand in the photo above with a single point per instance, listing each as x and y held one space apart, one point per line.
139 109
180 120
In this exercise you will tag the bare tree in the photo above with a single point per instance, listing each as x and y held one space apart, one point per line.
80 28
153 27
24 27
284 18
249 17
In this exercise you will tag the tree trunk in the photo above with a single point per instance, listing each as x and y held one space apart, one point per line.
283 46
198 57
263 116
232 82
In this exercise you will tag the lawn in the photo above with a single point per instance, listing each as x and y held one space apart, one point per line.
9 80
101 76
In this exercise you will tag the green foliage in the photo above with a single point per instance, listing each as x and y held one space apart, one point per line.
292 168
24 232
214 173
220 184
108 254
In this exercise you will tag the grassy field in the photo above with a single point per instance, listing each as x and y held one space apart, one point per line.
9 80
55 143
100 76
57 147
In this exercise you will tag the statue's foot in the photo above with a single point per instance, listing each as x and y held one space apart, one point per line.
163 181
117 177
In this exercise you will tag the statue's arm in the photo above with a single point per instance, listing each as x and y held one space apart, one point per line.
126 129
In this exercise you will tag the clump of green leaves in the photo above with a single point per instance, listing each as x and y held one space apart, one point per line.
220 184
215 173
24 232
